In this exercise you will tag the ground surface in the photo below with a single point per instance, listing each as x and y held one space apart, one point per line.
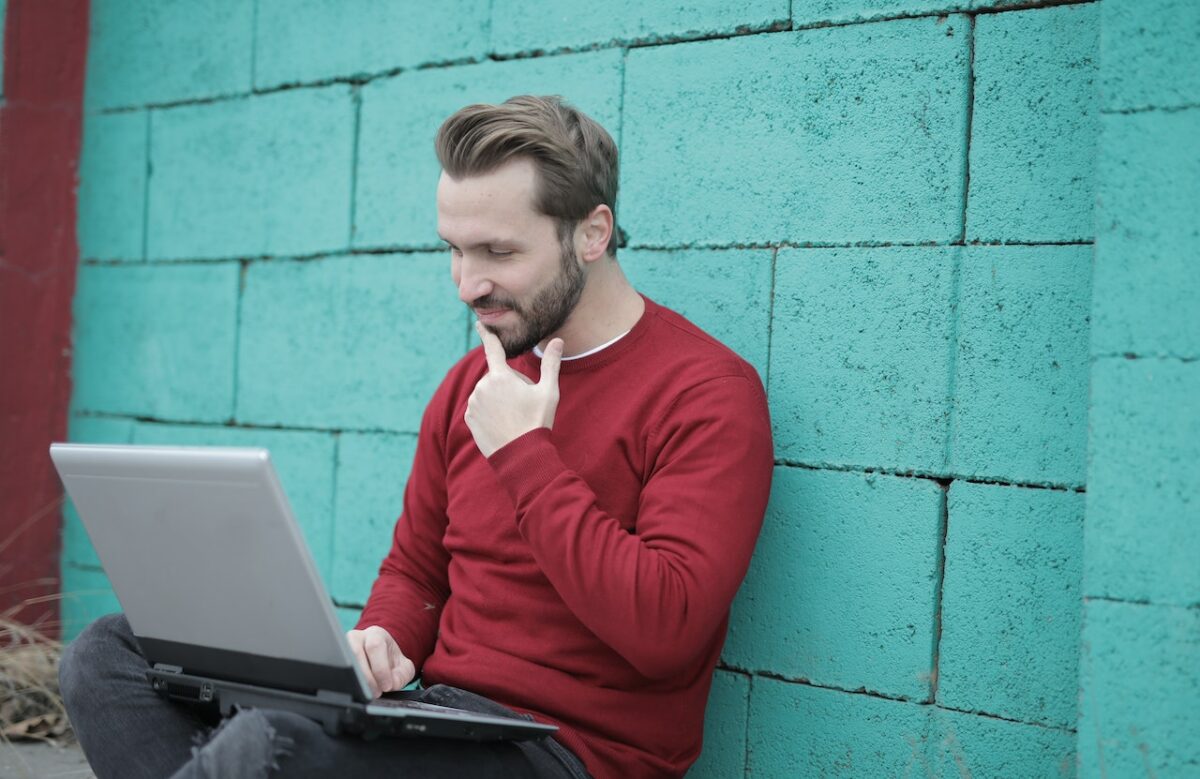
35 760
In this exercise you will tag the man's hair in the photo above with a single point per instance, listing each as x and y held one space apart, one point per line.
575 158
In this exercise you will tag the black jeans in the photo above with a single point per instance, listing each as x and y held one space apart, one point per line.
127 730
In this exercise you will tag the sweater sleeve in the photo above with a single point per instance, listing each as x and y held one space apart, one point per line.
657 595
413 583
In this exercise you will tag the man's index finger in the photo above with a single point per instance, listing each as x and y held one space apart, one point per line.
492 348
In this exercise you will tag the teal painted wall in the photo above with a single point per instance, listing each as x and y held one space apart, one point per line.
1140 661
888 206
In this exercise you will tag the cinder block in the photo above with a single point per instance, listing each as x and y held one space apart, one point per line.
807 12
841 590
1010 603
159 51
77 546
112 186
86 594
1021 389
829 135
727 293
1140 686
724 753
965 745
860 356
1143 536
312 40
1145 284
798 730
268 175
397 167
347 342
303 460
371 473
527 25
1149 53
1034 125
802 731
156 341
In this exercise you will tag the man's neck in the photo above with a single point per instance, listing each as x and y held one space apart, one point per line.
608 307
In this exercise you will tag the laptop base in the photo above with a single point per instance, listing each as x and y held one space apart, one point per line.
339 714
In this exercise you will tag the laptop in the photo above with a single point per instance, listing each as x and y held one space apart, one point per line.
223 596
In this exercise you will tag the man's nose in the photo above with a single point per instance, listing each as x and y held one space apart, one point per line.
472 283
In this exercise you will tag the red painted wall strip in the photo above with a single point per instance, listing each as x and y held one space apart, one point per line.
45 56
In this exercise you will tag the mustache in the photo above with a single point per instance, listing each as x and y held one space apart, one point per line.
494 301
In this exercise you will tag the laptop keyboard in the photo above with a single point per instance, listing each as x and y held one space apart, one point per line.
402 703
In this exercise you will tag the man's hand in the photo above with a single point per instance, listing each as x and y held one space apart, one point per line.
381 660
505 404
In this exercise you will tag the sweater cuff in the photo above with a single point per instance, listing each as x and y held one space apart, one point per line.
527 464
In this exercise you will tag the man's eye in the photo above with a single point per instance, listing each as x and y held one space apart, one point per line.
498 252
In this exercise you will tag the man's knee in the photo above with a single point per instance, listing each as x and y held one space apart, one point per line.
110 627
99 641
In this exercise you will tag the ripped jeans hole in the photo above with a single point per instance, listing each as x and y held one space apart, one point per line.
245 745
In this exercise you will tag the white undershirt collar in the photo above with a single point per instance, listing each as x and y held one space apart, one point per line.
537 350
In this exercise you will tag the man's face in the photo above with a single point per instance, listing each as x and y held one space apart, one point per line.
507 260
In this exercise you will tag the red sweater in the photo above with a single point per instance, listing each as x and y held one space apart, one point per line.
584 574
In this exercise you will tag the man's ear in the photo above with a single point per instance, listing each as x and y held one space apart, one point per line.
596 229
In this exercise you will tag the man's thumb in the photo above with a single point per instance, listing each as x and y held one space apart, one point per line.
551 360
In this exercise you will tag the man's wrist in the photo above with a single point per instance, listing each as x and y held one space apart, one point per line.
527 464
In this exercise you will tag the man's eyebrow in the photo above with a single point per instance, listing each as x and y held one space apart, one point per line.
491 242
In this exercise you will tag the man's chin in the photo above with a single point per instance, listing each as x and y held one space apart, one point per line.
516 349
513 343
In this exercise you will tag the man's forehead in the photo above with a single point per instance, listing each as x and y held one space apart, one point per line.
480 227
512 183
491 207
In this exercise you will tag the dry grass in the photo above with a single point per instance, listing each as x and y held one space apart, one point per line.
31 708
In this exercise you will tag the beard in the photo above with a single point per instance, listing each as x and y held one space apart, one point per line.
546 312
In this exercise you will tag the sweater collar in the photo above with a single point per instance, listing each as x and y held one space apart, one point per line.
604 356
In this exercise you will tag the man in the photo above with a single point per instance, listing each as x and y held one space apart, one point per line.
587 489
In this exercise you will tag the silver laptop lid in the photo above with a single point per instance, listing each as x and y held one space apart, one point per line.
204 553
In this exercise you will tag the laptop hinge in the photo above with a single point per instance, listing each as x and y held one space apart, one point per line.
336 698
168 669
